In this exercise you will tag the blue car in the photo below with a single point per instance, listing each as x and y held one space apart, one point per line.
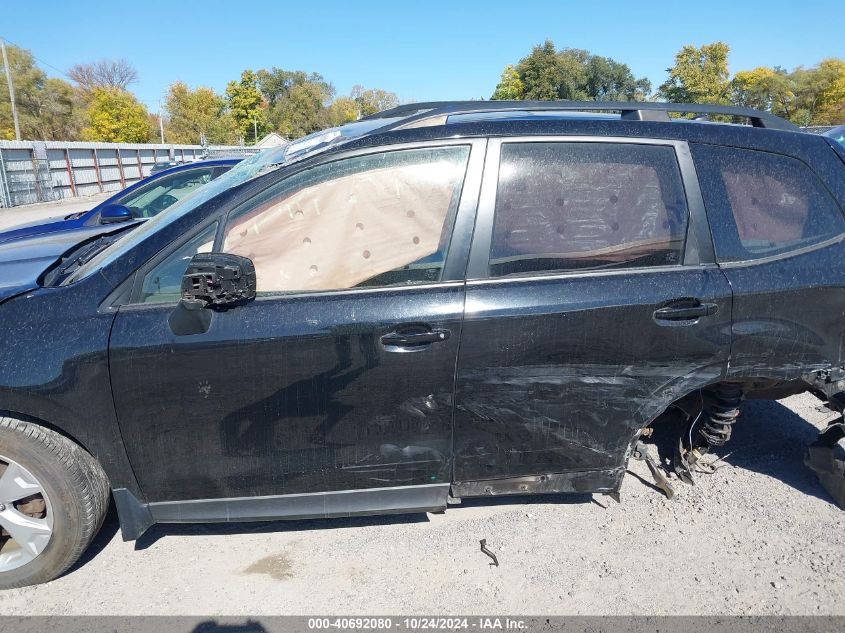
144 199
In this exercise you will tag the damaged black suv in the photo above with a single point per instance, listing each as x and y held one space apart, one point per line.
444 299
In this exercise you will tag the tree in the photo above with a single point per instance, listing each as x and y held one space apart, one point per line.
764 88
373 100
541 73
276 84
197 113
247 106
510 86
302 111
820 93
59 114
297 101
832 100
570 73
47 108
806 96
609 80
700 75
105 73
343 110
115 116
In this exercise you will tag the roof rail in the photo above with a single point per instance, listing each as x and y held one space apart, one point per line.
631 110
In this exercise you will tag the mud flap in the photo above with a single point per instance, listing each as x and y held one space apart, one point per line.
826 457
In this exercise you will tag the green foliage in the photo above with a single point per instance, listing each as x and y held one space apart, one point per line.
302 111
247 106
571 73
806 96
297 101
115 116
820 93
764 88
276 84
47 108
510 87
342 110
832 100
59 112
609 80
194 113
700 75
372 100
544 75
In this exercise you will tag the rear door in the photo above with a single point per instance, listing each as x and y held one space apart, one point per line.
778 232
592 303
340 375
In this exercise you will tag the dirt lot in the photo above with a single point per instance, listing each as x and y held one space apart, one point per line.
760 536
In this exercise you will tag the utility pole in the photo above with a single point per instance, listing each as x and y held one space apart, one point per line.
160 122
255 127
11 90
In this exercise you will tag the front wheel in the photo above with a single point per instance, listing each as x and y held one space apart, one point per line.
53 498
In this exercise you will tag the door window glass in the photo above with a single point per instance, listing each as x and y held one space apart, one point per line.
374 220
164 282
762 204
583 206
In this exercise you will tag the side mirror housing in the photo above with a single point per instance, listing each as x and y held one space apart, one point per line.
114 213
218 281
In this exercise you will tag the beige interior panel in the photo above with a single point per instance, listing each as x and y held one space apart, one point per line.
765 207
341 232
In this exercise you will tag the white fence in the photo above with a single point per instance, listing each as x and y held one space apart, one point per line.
41 171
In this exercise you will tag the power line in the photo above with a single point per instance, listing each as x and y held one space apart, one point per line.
38 59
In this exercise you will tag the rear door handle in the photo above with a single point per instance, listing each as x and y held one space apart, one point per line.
414 339
685 312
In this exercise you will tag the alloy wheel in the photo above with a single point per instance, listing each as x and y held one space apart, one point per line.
26 516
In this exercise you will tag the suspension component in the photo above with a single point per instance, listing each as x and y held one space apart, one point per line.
711 427
641 453
721 412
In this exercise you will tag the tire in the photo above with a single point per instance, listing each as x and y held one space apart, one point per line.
74 501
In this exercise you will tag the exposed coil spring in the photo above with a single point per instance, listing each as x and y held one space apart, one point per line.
722 410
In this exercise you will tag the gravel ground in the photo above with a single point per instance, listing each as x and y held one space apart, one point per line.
759 536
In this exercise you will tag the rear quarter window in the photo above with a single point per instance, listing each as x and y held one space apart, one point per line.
762 204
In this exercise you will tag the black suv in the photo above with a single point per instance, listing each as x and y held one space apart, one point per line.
443 300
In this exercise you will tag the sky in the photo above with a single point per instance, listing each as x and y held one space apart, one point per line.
424 50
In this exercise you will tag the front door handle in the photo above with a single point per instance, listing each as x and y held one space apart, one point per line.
412 339
686 312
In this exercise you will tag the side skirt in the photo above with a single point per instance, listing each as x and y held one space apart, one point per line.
577 482
136 517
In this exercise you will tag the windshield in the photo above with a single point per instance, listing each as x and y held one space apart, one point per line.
246 170
162 193
837 134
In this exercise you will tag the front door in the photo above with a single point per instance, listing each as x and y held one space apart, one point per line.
592 304
340 375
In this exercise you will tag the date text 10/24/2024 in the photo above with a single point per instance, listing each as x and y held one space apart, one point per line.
419 623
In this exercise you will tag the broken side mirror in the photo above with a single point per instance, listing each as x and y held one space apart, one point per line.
218 280
212 281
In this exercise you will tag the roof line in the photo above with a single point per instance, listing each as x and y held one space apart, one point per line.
630 110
